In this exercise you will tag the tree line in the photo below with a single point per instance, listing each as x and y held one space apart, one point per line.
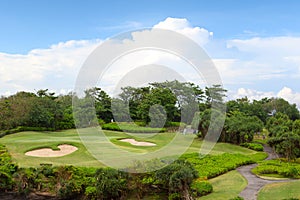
158 105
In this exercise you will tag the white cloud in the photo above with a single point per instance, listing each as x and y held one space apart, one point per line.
251 94
286 93
271 56
289 95
183 26
56 66
244 63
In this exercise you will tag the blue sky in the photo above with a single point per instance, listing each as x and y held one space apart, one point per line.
33 24
254 43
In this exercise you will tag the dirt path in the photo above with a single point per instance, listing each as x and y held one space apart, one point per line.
254 182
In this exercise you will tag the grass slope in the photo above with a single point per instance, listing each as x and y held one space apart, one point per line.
279 191
226 186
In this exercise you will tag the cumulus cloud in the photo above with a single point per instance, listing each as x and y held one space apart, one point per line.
57 67
289 95
271 57
286 93
44 68
242 63
183 26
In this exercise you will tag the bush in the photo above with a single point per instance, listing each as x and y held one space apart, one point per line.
285 169
91 192
174 196
201 188
214 165
24 128
131 128
253 146
7 169
237 198
111 183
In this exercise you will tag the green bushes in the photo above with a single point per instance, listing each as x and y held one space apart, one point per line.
213 165
278 167
131 128
237 198
253 146
24 128
111 183
7 168
201 188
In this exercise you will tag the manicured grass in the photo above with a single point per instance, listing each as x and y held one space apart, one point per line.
279 168
279 191
19 143
226 186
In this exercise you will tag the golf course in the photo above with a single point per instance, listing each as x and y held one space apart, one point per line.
226 186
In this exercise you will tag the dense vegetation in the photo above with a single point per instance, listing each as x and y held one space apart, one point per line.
278 167
158 107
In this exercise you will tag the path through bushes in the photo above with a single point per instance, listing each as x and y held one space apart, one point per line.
254 182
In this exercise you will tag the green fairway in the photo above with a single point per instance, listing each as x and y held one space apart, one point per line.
278 191
18 144
226 186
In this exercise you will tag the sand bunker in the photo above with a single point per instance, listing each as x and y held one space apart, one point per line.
136 143
65 149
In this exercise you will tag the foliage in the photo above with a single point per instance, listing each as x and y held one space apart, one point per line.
214 165
279 124
237 198
285 169
177 178
131 128
240 128
43 109
253 146
209 120
201 188
287 144
110 183
7 168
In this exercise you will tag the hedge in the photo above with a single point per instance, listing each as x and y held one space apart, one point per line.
211 166
131 128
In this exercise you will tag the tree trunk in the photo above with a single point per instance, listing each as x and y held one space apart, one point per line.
186 194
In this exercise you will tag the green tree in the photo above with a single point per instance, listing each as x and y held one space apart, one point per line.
102 103
158 96
177 178
287 144
279 124
111 183
240 128
209 120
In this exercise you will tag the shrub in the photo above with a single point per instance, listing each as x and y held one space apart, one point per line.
201 188
131 128
111 183
7 169
285 169
24 128
253 146
91 192
214 165
174 196
237 198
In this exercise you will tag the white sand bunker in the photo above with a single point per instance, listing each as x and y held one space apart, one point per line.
136 143
65 149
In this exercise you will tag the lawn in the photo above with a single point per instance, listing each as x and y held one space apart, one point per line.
22 142
226 186
279 191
